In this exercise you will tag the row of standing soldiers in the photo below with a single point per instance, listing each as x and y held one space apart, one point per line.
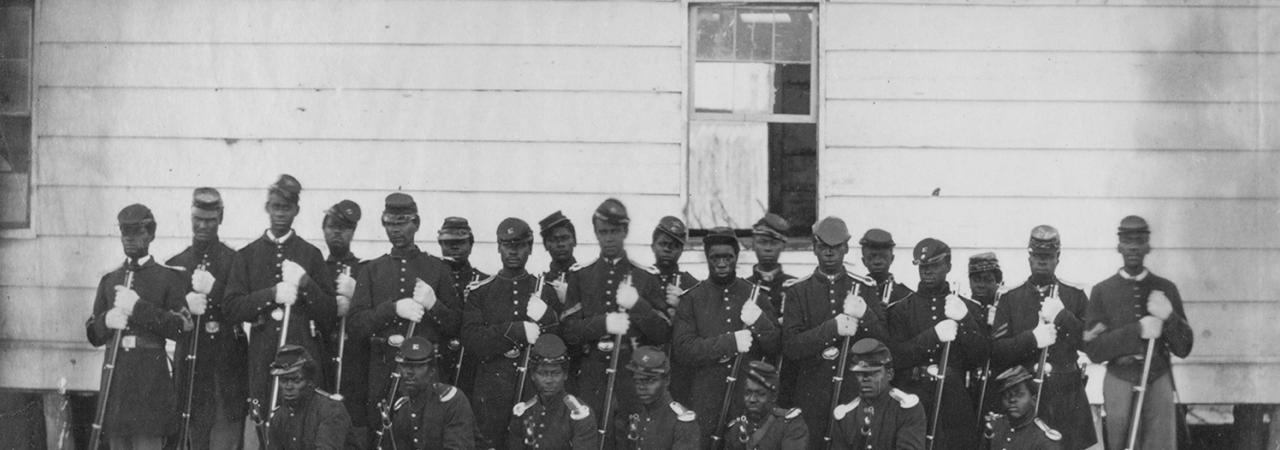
250 321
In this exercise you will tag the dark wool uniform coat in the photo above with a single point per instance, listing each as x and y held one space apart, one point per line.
1117 304
771 284
355 354
664 424
221 354
897 422
1028 436
316 422
681 383
438 418
463 377
552 425
783 429
143 398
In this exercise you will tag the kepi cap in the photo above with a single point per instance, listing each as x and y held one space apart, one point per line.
868 355
289 359
416 350
514 230
287 186
1044 239
763 373
1133 225
552 221
455 229
135 217
399 207
648 360
548 349
877 238
612 211
930 251
345 213
772 225
1011 377
206 203
674 227
983 262
831 231
721 236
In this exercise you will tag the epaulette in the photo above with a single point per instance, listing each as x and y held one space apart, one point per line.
521 407
478 283
449 392
579 266
1050 433
577 409
647 268
695 286
793 281
905 400
683 414
866 280
334 397
970 300
901 300
788 414
173 268
843 410
400 402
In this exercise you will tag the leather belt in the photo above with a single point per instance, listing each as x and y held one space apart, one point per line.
929 373
134 341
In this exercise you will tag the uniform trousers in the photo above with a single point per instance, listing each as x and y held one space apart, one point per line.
1158 429
136 442
213 431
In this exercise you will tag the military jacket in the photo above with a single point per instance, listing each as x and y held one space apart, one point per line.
223 348
1030 435
558 271
315 422
895 420
915 344
783 429
1117 304
772 284
439 418
1019 313
897 291
561 424
355 354
665 424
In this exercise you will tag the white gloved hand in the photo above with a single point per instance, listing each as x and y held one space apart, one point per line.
202 281
1050 308
750 313
946 330
561 288
116 319
292 273
673 295
627 294
286 293
617 323
536 309
855 306
1158 305
1045 333
197 302
991 315
955 308
846 325
1152 327
531 332
409 309
125 299
424 294
743 339
346 285
344 304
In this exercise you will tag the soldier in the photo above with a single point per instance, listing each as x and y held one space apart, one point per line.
1129 309
559 238
877 255
503 317
986 281
763 426
552 419
719 323
826 310
143 302
654 421
881 417
431 415
769 239
308 418
456 242
217 397
339 226
1045 312
279 272
612 305
405 288
668 244
1013 430
921 325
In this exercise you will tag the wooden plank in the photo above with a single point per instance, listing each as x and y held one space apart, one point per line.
41 365
1085 28
332 114
1227 383
1052 125
319 164
1114 3
291 66
1059 76
427 22
1227 329
1050 173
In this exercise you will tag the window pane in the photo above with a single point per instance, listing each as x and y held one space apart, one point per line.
715 33
793 174
755 35
14 91
733 87
15 144
793 36
15 32
791 89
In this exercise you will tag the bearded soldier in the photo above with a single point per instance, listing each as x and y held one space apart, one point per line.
308 418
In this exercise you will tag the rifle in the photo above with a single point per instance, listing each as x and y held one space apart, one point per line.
342 346
184 437
937 401
986 368
384 405
462 351
731 382
108 372
1043 369
1141 393
612 371
524 363
260 425
837 381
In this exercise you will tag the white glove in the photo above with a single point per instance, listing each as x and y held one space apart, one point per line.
125 299
750 313
424 294
531 332
1045 333
292 273
955 309
197 302
286 293
1159 305
344 304
743 339
561 288
616 323
116 319
346 285
409 309
946 330
855 306
1050 308
991 315
202 281
627 294
1152 327
536 309
673 295
846 325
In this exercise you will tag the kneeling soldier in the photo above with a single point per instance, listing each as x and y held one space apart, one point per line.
764 426
553 419
1013 430
432 415
882 416
656 421
308 417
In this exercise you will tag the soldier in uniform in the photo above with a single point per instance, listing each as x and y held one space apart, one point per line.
559 238
1126 310
456 242
764 426
826 310
431 415
308 418
612 305
503 317
144 302
654 421
986 281
668 245
920 327
405 288
339 226
1045 313
279 271
718 323
219 390
1019 428
551 419
881 417
769 239
877 255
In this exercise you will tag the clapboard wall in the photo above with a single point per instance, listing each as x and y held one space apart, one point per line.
1068 113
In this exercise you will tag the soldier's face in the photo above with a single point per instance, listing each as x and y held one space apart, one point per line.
984 284
666 249
136 241
1134 250
873 383
417 377
549 380
611 237
935 273
281 212
514 255
337 236
400 234
1018 401
758 399
830 257
458 249
877 260
650 388
560 243
1043 264
293 386
722 262
205 229
767 249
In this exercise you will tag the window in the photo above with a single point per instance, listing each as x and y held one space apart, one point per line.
753 125
15 113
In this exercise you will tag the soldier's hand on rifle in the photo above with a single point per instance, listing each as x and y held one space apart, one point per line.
202 281
346 285
286 293
344 304
743 340
846 325
125 299
424 294
531 332
116 319
955 308
409 309
536 309
616 323
855 306
1152 327
561 288
946 330
292 273
197 302
1045 333
1159 305
750 313
1050 308
627 294
673 295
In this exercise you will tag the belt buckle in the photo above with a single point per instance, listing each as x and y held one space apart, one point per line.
454 344
933 371
605 345
277 314
512 354
724 359
830 353
129 342
395 340
212 327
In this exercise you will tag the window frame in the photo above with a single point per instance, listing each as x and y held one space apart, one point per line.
27 230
